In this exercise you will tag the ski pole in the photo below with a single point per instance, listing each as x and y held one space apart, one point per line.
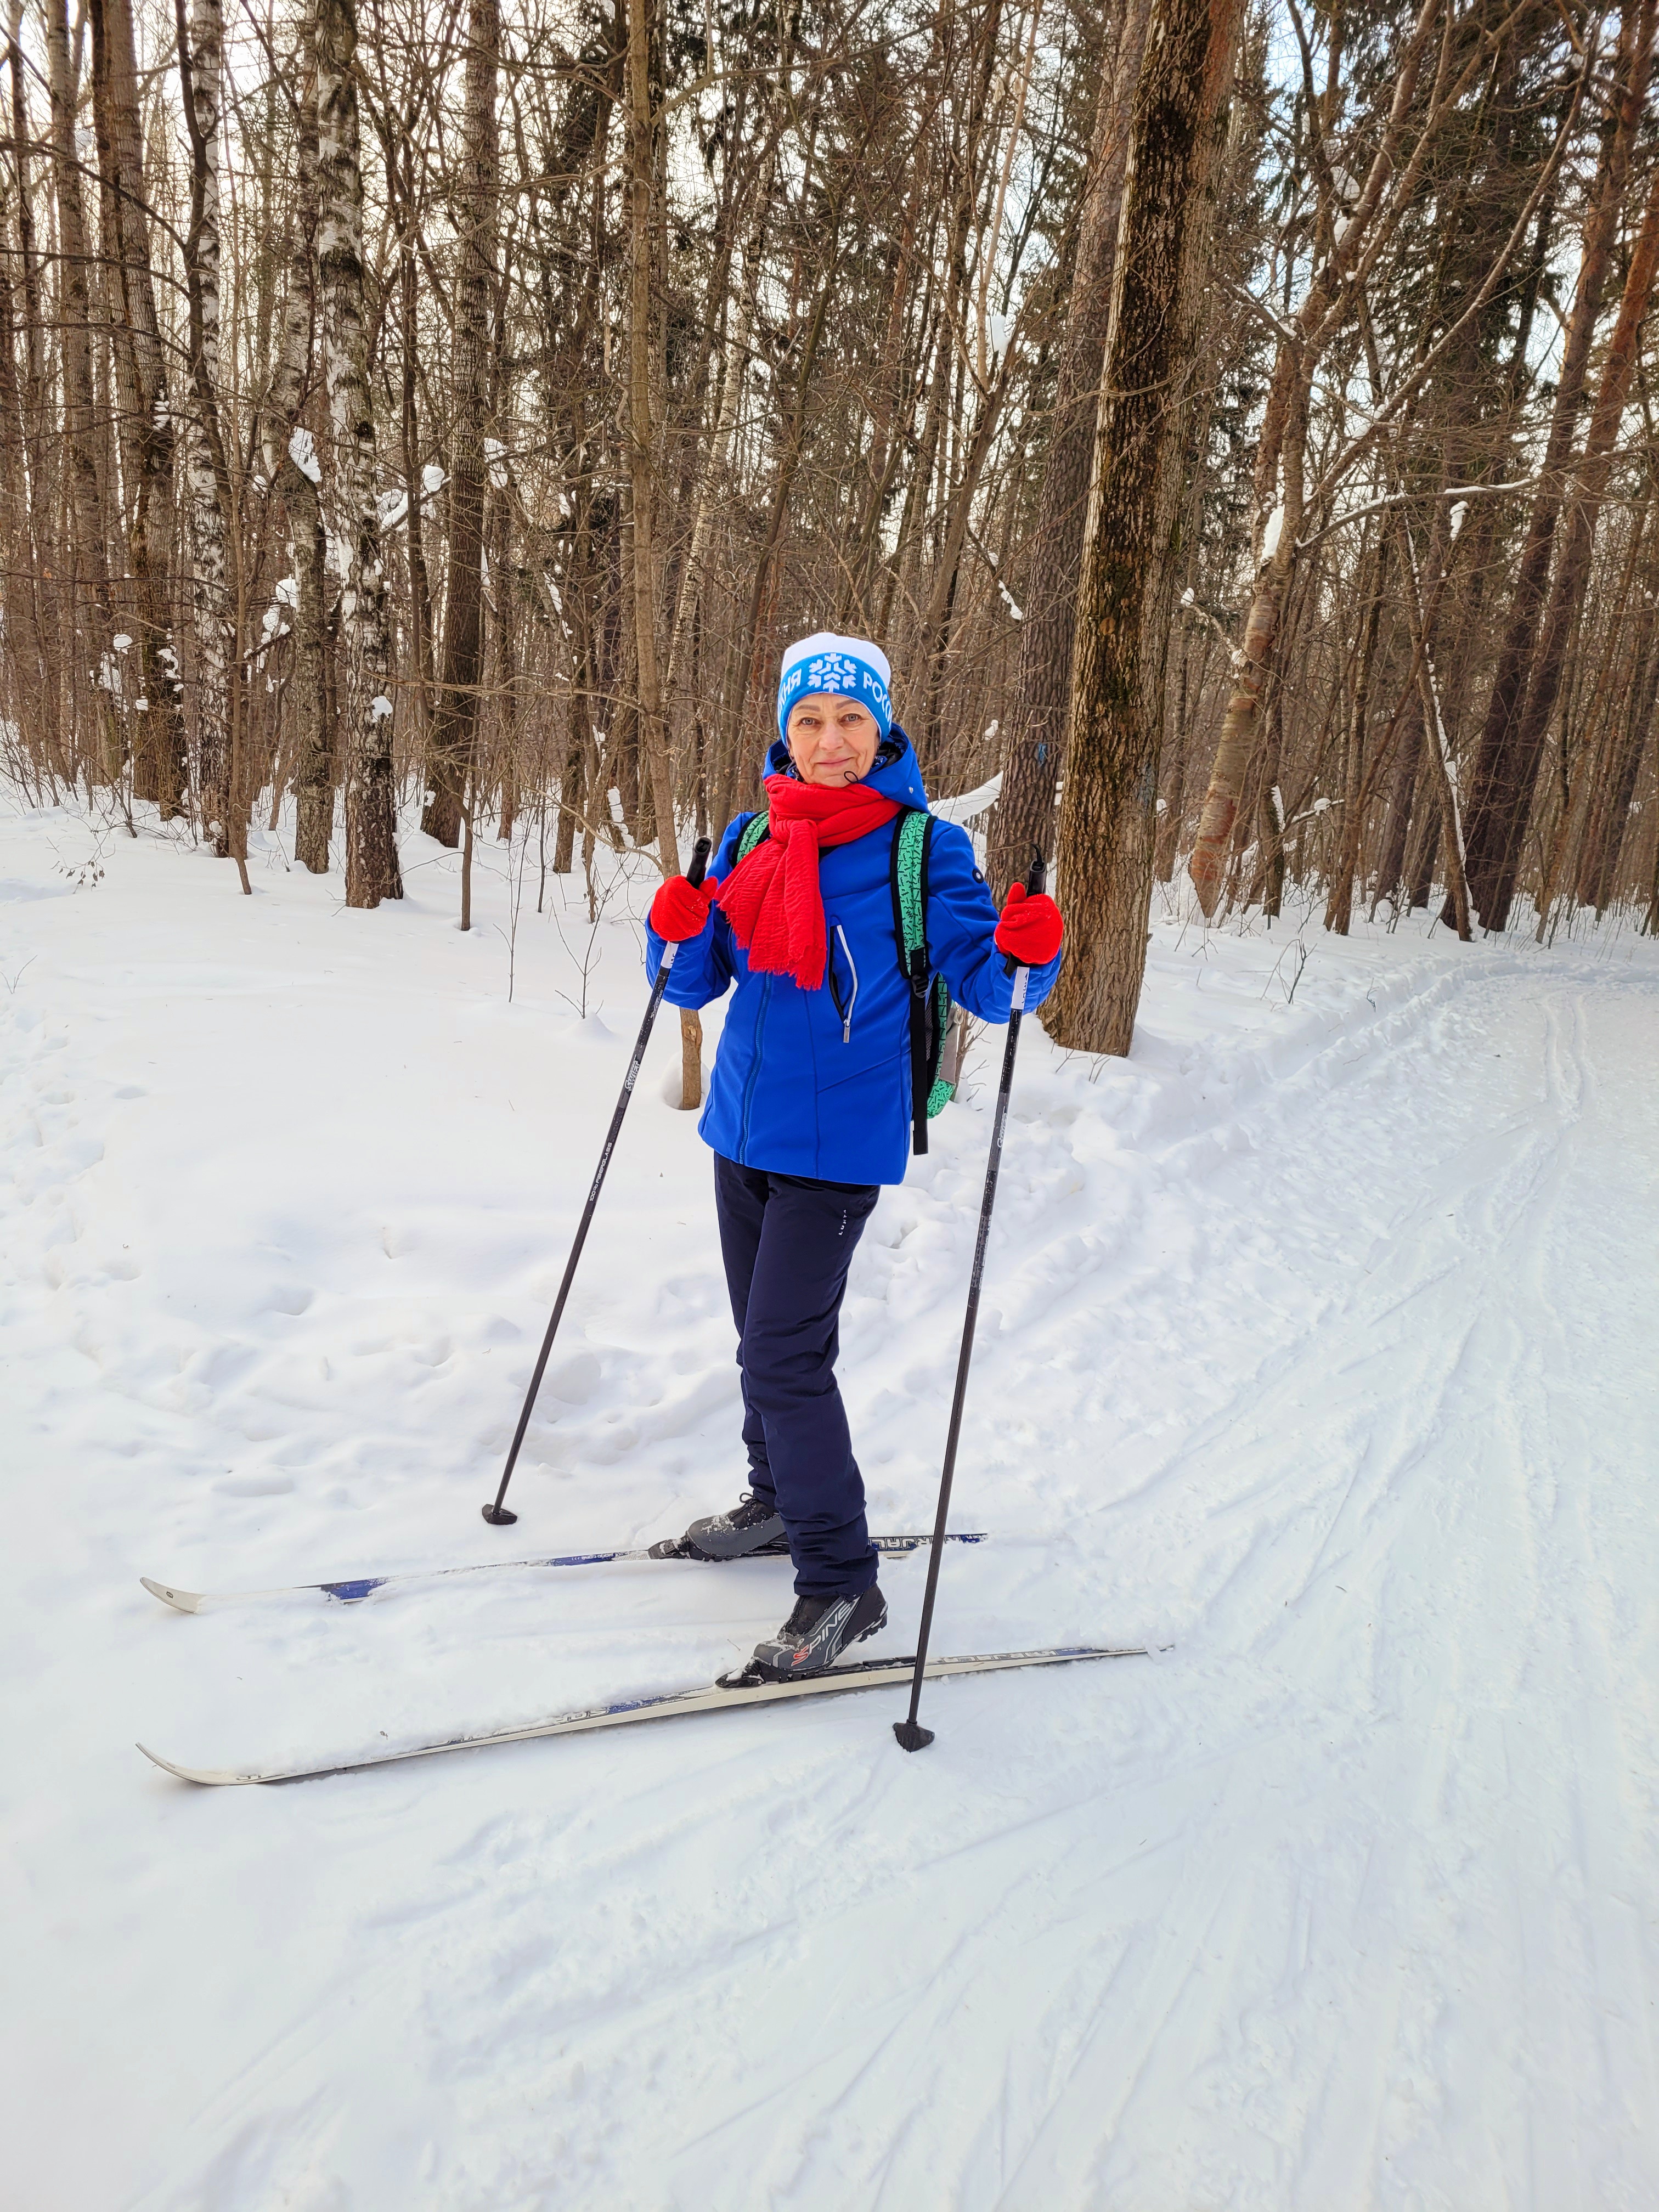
496 1512
911 1734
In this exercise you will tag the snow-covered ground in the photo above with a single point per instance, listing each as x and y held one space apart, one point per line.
1318 1345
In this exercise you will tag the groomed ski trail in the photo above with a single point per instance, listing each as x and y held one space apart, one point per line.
1318 1342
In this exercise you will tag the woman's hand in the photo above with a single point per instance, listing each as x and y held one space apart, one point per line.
1029 929
680 911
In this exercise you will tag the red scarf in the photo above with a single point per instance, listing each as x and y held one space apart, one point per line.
772 899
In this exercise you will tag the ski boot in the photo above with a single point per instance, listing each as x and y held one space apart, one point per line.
751 1527
815 1634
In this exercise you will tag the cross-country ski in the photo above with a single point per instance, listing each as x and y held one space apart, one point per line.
730 1694
351 1590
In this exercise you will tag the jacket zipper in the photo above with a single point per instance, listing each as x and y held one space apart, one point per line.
846 1011
754 1070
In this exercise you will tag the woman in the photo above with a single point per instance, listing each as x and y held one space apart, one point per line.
809 1109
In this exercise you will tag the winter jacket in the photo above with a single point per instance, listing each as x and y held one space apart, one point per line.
800 1087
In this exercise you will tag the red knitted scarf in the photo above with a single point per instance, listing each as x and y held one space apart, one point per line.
772 899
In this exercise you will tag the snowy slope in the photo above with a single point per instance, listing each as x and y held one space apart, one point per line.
1318 1344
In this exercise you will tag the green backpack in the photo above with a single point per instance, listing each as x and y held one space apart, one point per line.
935 1024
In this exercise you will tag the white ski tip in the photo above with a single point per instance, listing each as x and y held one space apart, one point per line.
205 1774
181 1601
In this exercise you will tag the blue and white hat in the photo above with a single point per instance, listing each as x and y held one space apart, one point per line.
843 667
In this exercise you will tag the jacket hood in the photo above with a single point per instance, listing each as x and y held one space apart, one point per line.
897 773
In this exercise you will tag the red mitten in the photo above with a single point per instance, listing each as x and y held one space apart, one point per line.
679 912
1030 929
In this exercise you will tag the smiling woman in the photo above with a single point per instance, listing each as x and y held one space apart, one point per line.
814 1093
834 708
831 741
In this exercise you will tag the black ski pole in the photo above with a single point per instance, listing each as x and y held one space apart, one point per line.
496 1512
910 1733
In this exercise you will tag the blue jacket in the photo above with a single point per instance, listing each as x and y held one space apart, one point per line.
793 1091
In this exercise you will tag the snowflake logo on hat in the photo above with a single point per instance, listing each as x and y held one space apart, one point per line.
829 670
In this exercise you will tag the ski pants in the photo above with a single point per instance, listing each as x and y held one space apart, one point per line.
788 1243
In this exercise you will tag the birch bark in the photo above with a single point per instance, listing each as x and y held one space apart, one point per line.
207 475
371 870
296 472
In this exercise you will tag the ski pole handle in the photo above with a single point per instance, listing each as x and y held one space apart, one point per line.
1037 878
694 876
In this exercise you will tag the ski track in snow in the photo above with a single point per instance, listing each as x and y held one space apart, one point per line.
1317 1344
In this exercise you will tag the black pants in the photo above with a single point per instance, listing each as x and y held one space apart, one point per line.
788 1243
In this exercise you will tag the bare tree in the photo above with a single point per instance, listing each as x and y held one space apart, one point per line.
372 870
1108 826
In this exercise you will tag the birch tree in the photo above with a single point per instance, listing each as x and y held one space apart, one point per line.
372 870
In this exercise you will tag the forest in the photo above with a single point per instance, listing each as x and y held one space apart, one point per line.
1236 422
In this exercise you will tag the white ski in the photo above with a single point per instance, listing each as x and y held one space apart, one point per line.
719 1697
349 1592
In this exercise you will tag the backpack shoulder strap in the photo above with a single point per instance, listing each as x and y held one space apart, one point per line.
912 833
755 830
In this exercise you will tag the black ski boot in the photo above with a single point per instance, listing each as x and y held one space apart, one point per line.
750 1527
815 1634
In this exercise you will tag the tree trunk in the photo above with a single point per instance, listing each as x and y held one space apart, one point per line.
207 474
80 403
455 716
296 472
1108 819
1023 821
21 631
1281 465
1572 569
1339 904
420 589
1506 763
1609 811
371 870
642 469
39 426
146 421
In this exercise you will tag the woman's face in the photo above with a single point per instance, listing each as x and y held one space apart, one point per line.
831 741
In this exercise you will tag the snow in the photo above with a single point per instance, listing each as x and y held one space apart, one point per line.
971 804
302 452
1316 1345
